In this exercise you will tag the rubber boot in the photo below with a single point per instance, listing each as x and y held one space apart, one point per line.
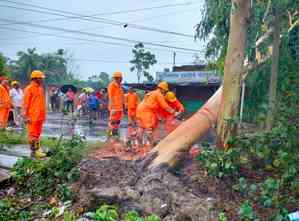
32 148
38 151
109 133
115 132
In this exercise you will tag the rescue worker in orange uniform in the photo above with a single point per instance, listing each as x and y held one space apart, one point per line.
169 120
131 102
5 102
116 104
147 111
34 112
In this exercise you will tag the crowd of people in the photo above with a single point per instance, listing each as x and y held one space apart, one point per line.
153 115
86 101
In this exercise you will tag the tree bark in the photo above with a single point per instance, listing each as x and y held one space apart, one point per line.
171 147
274 73
233 70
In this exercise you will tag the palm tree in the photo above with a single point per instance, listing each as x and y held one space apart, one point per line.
27 62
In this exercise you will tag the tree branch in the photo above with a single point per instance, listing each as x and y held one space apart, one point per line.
267 11
266 35
293 25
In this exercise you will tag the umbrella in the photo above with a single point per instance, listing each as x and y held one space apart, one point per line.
66 87
89 90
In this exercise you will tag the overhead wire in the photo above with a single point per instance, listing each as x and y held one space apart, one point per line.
101 27
100 35
117 61
67 14
89 41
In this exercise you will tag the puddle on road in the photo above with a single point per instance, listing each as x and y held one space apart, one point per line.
60 125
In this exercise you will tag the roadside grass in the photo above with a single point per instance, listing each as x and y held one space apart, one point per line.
11 138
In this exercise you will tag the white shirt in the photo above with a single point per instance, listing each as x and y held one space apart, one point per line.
16 97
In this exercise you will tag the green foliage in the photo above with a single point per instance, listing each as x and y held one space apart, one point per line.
47 177
10 210
142 62
110 213
106 213
132 216
222 217
96 81
11 138
69 216
152 218
246 212
53 64
271 157
220 163
3 66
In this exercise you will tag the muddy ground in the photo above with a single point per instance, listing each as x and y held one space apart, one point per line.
122 183
182 194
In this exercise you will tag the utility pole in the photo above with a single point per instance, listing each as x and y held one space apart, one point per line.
174 56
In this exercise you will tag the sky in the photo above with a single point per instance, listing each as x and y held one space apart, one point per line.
90 55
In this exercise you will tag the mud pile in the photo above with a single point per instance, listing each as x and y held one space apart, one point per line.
123 183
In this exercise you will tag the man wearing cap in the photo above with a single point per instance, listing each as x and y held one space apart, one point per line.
16 95
116 103
147 111
5 102
34 110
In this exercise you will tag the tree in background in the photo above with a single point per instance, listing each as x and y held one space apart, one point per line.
3 66
142 62
97 81
54 65
104 79
27 62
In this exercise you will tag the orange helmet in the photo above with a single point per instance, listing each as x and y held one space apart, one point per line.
170 96
117 74
37 74
163 85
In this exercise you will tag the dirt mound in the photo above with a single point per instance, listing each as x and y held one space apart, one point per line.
121 182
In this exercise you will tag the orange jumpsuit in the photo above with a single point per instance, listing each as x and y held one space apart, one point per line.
116 104
132 101
170 122
147 110
5 105
34 108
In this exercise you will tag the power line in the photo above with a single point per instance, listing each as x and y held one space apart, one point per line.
116 61
92 42
143 9
89 18
101 36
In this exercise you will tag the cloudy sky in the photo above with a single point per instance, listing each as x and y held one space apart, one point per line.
91 52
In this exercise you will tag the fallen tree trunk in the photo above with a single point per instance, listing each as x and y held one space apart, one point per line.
171 147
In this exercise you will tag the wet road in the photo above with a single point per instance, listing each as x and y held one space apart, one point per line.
58 124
